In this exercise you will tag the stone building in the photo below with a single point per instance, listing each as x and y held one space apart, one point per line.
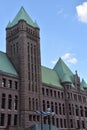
26 86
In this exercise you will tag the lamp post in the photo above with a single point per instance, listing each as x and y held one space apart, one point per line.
48 114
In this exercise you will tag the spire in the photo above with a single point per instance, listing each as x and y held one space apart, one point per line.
22 15
35 24
83 84
63 71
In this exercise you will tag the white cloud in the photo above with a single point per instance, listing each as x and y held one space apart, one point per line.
54 61
82 12
69 58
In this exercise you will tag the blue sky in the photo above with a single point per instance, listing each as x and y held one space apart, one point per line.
63 30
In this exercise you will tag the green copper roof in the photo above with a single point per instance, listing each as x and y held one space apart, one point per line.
66 78
83 84
63 71
6 66
22 15
50 77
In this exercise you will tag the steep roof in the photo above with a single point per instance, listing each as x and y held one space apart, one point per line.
49 76
6 66
63 71
22 15
83 84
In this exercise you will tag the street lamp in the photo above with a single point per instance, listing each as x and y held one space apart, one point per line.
48 114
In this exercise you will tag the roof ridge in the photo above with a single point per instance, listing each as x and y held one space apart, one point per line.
46 67
22 15
2 52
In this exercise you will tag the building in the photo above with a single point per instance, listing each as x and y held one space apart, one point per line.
26 86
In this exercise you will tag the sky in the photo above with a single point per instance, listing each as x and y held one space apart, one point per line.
63 30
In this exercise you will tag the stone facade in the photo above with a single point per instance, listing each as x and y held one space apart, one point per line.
22 96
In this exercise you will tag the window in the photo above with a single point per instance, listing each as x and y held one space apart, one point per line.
85 111
51 94
68 95
3 101
43 91
30 117
61 123
16 103
71 123
60 112
9 102
33 105
34 118
58 94
44 105
16 85
48 105
77 110
52 106
62 95
57 122
63 109
9 84
15 119
3 82
53 121
36 104
2 119
56 108
84 99
47 92
79 98
65 123
54 93
81 111
29 103
38 118
78 124
9 120
75 97
70 111
83 125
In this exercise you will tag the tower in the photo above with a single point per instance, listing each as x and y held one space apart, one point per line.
23 49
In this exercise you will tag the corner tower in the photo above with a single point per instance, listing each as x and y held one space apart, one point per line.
23 49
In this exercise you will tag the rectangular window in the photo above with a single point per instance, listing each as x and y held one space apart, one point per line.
9 84
78 124
16 85
9 102
2 119
9 119
15 119
3 82
3 101
30 117
16 103
54 93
